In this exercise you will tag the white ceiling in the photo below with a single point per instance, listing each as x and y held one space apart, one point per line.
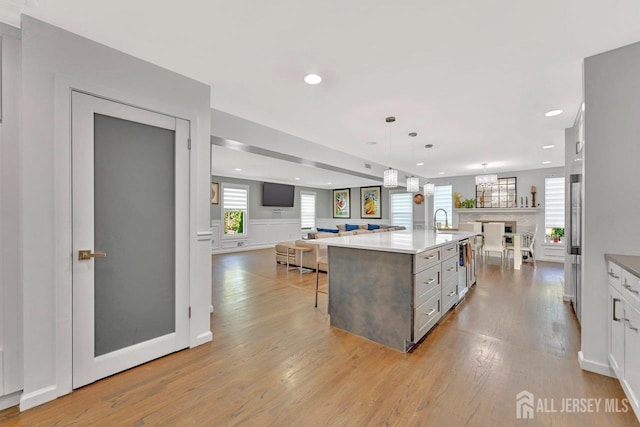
474 78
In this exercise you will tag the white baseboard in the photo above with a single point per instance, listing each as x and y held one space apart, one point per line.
596 367
38 397
203 338
10 400
567 298
242 248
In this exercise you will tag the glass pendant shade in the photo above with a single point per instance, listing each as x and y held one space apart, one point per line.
413 184
429 189
390 178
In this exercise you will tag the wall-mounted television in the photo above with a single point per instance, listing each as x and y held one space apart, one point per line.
278 195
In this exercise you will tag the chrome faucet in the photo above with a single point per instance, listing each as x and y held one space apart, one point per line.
446 218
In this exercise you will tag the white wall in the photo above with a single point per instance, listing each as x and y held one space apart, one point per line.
10 224
611 185
53 62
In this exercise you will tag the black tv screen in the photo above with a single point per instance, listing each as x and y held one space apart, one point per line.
280 195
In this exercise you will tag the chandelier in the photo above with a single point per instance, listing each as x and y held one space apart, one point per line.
486 180
390 175
413 184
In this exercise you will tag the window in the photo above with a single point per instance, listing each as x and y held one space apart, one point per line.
402 209
499 195
553 204
442 199
235 209
307 210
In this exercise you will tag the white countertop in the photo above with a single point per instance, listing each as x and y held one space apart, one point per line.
404 241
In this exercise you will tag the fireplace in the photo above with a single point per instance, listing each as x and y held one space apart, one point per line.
509 226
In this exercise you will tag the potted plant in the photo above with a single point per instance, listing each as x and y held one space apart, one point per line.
468 203
557 234
456 200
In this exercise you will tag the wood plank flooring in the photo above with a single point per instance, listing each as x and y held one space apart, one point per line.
275 360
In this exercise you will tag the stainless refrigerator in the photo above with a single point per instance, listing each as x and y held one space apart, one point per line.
574 246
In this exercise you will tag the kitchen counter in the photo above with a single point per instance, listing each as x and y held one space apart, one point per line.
631 263
401 241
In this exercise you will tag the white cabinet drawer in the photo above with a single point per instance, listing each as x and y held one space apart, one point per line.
449 296
450 250
426 284
630 288
449 269
425 317
614 272
426 259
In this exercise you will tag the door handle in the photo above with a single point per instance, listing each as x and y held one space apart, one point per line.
86 254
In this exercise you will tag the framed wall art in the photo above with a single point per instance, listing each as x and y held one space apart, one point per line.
370 202
342 203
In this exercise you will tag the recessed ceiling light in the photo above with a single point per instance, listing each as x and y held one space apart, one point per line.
312 79
297 179
370 143
237 169
328 183
419 164
440 173
553 113
546 162
546 147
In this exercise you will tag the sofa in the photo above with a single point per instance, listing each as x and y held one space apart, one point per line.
309 257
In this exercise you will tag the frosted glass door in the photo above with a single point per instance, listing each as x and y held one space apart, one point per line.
130 206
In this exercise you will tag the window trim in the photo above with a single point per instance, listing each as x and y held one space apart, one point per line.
244 235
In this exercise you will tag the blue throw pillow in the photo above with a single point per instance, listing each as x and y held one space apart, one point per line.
373 227
327 230
351 227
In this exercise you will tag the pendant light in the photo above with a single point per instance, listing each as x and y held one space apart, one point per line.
413 184
390 175
429 189
486 180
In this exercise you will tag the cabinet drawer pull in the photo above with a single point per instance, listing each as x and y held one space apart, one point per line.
452 293
430 281
451 268
430 257
630 326
433 310
630 289
613 275
615 319
451 249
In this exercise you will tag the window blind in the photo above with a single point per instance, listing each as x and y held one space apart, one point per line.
234 198
554 202
307 210
442 199
402 209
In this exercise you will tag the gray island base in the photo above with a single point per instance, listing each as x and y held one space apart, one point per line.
393 289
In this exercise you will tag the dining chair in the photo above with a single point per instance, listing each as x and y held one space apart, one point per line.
528 242
493 239
322 261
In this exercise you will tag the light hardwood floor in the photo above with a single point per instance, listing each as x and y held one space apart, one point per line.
275 360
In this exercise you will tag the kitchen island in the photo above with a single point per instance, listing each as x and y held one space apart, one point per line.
393 287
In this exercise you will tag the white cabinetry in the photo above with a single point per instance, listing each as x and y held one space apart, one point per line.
624 329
